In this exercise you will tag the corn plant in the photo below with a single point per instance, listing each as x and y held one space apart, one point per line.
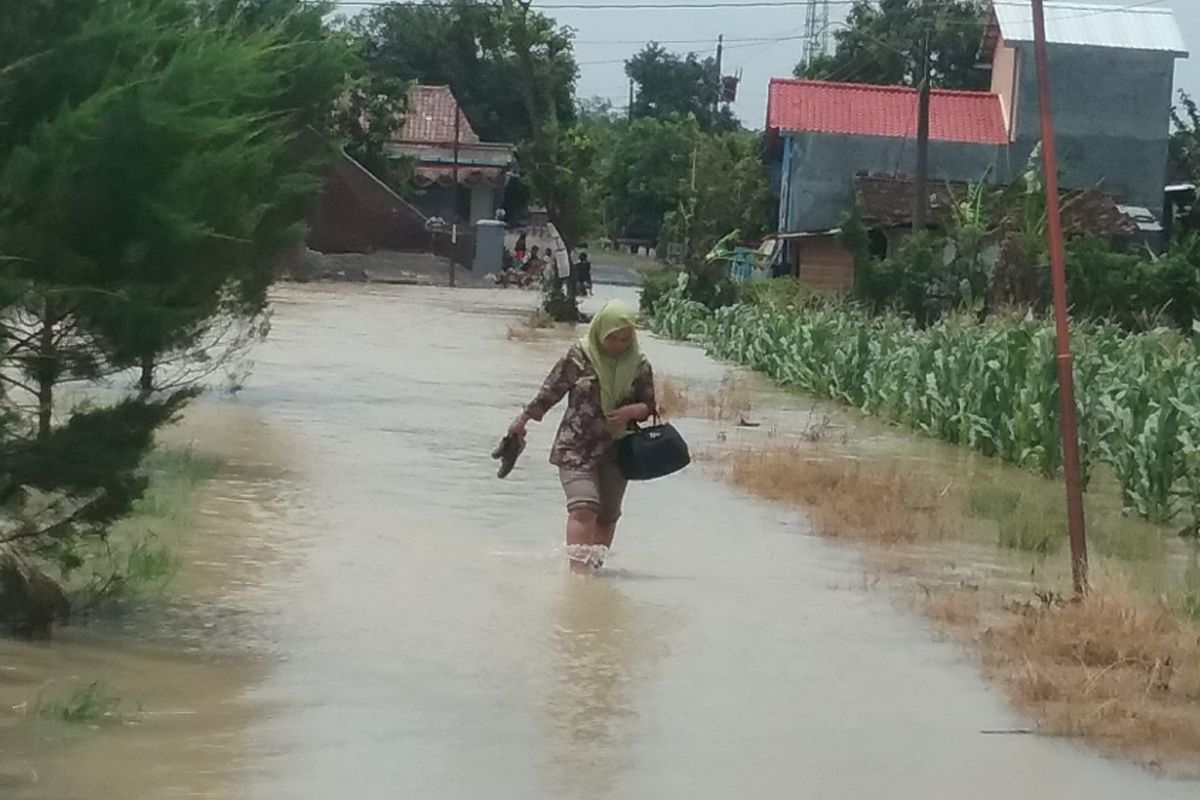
991 386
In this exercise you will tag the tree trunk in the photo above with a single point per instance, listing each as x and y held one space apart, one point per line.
30 600
146 381
47 370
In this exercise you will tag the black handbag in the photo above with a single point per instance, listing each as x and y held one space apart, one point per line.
652 451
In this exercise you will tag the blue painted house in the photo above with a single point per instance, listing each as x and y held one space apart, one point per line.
1112 70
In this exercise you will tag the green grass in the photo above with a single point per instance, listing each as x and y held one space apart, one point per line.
175 474
1124 538
87 705
136 560
1191 586
1024 521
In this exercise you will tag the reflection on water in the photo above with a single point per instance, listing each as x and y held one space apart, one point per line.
365 611
591 702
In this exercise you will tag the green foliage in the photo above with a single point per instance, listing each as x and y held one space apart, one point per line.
154 161
670 86
1185 152
88 705
727 191
1031 522
1191 597
993 255
678 316
1138 290
779 292
478 50
709 284
990 386
655 286
883 42
648 171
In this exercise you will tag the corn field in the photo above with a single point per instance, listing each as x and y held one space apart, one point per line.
990 386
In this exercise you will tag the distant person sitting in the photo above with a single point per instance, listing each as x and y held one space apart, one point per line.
583 275
532 268
509 274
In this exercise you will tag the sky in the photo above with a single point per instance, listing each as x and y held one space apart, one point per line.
762 42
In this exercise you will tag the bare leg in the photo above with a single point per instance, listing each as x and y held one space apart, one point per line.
581 535
605 532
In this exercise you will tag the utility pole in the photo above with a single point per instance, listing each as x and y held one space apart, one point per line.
629 110
816 30
921 184
457 190
720 80
1058 276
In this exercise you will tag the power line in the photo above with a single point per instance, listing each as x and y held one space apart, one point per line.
609 6
687 5
758 42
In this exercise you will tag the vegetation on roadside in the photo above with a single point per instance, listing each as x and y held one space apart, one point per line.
1119 669
990 386
137 559
143 203
91 704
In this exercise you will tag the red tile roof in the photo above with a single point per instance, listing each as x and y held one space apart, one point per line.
865 110
430 118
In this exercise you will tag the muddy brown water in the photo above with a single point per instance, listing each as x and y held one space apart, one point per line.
365 611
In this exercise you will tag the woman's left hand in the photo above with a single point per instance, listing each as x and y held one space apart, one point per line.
627 414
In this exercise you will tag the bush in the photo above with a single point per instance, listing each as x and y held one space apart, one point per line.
779 292
990 386
654 286
1138 291
709 284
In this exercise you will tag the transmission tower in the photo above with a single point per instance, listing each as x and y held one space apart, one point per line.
816 30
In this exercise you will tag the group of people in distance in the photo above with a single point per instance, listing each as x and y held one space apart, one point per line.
523 267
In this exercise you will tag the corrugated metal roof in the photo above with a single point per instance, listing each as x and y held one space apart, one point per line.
1128 27
868 110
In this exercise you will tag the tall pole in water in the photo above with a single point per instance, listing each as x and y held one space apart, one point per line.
1058 276
457 189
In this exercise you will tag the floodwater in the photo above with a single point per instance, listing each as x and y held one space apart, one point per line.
367 612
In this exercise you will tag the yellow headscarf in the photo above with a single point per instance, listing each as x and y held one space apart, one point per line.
616 373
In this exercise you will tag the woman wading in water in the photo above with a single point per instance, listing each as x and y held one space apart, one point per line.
611 385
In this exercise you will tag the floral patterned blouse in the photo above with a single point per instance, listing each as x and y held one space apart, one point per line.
583 437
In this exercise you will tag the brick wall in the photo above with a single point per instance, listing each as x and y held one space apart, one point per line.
358 213
824 264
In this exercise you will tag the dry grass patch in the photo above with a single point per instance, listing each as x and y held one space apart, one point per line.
530 327
1117 670
732 402
845 499
1122 673
955 609
671 397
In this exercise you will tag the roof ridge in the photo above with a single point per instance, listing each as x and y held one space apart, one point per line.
882 87
1052 4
